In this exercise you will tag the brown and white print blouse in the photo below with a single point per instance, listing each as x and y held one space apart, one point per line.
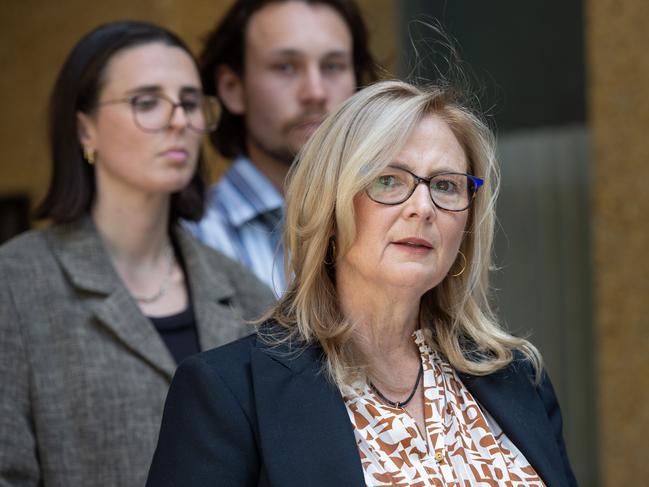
462 444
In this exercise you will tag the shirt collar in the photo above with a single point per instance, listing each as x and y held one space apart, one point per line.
245 193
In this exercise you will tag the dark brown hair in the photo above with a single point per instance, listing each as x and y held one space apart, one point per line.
225 46
72 184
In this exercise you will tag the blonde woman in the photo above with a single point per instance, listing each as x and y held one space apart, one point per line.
383 364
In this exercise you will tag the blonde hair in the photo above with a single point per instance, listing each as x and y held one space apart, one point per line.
343 156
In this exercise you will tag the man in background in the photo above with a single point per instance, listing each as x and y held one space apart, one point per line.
279 67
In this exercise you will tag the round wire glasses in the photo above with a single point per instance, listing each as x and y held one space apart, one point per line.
153 112
450 191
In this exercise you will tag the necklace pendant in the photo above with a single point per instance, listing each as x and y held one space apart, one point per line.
401 404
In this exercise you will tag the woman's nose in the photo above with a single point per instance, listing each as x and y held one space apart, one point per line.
420 204
179 118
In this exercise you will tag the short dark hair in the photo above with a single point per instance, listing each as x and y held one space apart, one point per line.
72 183
225 45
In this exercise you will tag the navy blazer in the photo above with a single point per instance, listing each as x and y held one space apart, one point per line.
246 414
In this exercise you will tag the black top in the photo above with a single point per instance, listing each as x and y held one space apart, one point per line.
179 333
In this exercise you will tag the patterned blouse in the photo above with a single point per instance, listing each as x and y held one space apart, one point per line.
462 444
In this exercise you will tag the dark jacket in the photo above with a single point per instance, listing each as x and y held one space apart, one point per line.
84 373
249 415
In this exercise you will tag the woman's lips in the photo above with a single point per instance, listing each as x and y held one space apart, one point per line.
414 245
414 241
177 155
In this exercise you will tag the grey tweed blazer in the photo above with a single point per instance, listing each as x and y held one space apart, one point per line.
83 373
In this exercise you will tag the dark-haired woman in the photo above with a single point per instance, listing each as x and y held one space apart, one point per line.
97 310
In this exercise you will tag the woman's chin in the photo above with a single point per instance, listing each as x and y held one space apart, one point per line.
418 283
173 184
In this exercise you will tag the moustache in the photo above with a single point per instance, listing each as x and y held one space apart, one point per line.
306 120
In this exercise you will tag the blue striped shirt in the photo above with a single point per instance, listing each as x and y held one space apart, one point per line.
243 220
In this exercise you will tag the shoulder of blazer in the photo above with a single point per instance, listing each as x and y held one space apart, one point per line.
23 249
233 361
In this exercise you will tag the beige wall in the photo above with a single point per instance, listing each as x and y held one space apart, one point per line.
618 60
38 34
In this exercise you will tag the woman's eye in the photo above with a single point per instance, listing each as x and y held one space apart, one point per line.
387 181
445 186
190 105
145 103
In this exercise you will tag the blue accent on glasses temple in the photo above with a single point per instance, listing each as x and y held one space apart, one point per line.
476 180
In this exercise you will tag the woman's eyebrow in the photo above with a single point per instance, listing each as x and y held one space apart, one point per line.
192 90
159 89
434 172
399 165
145 89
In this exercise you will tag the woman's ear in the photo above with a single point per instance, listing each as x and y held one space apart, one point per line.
86 132
229 86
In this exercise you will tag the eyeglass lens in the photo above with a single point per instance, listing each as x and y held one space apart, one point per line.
154 112
450 191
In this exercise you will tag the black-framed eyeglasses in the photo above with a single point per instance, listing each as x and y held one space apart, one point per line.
452 191
152 112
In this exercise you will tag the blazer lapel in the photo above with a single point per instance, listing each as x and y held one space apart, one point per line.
300 412
86 263
510 397
211 291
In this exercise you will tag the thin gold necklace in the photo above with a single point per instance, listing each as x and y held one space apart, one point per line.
164 284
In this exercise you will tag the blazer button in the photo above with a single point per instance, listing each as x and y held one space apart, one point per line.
439 457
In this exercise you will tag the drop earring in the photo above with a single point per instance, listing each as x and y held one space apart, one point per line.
89 155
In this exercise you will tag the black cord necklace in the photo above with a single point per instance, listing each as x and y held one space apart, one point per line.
397 404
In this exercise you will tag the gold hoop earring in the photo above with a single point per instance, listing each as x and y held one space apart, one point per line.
89 156
463 266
